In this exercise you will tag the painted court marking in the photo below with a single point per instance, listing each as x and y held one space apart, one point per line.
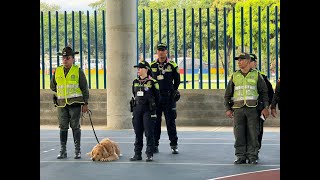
235 175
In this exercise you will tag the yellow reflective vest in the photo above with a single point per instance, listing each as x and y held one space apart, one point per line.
245 89
68 91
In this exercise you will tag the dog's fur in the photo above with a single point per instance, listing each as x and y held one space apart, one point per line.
106 150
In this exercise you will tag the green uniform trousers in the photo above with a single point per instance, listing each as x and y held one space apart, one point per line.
246 131
70 114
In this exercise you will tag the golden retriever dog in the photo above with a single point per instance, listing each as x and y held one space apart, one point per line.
106 150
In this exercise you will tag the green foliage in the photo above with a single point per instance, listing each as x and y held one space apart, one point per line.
217 44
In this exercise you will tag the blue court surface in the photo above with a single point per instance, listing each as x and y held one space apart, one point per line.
203 154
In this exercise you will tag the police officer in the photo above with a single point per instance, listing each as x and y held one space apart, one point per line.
276 99
241 99
166 72
146 96
72 94
260 107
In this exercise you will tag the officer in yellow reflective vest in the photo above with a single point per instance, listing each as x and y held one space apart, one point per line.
241 100
72 94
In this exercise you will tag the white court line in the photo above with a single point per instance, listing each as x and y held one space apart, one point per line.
164 163
162 142
243 174
48 151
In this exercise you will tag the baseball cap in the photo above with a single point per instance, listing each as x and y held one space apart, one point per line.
143 64
162 46
67 51
253 57
243 56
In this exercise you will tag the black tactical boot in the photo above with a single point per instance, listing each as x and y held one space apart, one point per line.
63 144
149 158
174 150
136 157
76 139
155 149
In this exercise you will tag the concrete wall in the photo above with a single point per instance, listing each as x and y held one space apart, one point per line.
195 108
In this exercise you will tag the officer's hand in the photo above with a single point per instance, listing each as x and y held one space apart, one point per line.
176 95
229 114
274 112
85 108
265 112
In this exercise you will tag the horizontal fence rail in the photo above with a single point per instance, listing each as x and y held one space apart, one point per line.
203 42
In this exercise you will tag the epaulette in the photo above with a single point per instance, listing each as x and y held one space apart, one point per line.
153 62
173 63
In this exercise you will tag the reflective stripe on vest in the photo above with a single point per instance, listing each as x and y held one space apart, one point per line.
245 90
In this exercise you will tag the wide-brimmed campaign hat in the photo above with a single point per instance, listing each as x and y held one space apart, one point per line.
67 51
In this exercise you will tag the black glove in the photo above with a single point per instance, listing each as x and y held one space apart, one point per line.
176 95
152 105
131 104
55 100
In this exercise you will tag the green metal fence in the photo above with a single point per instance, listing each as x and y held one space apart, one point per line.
203 42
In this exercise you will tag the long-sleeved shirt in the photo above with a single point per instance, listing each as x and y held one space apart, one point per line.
276 96
261 87
83 84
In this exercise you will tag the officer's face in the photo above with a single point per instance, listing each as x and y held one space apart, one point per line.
162 53
142 71
243 63
67 61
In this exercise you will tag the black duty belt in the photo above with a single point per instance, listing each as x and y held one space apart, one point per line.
166 93
141 102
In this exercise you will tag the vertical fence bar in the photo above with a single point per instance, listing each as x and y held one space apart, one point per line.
217 48
42 51
276 29
137 30
65 29
72 20
192 48
144 34
168 35
96 44
159 11
268 43
209 63
50 52
88 36
259 35
250 35
184 50
104 51
80 38
151 34
225 48
242 31
233 39
57 37
175 36
200 49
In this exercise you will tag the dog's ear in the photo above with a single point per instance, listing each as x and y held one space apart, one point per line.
105 152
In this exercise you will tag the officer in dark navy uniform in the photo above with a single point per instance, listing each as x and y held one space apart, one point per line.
260 107
145 90
166 72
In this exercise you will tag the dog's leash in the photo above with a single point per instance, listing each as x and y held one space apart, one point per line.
89 113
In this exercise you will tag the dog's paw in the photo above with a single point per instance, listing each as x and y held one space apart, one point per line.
104 159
